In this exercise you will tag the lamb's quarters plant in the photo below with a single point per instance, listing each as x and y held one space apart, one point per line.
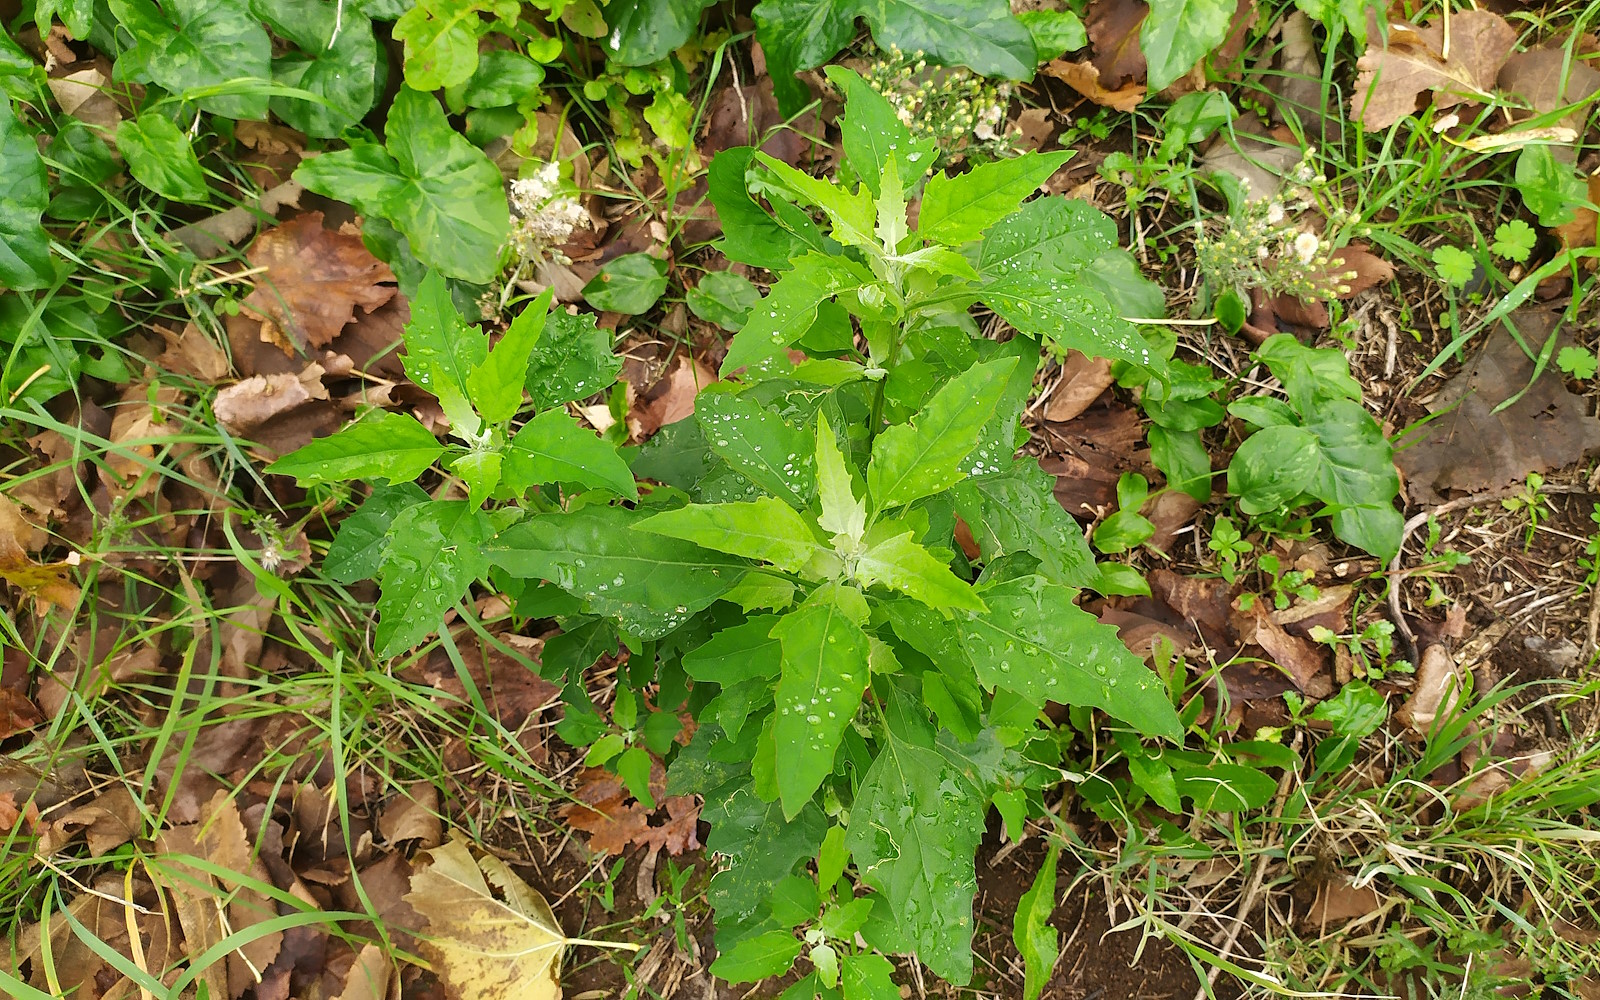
862 693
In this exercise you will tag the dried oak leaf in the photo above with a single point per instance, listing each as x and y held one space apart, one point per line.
615 820
193 353
109 821
413 815
279 412
1337 902
482 946
1472 448
1083 77
1304 661
1418 59
314 280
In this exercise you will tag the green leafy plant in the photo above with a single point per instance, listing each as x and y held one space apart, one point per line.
1530 503
863 694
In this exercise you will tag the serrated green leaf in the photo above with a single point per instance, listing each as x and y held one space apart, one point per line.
899 563
911 461
957 210
1036 642
790 307
851 212
868 976
495 384
650 583
480 470
381 445
160 158
765 529
756 958
914 828
1036 939
1069 313
1016 511
193 44
763 846
842 513
629 284
357 549
759 444
553 448
824 675
436 550
442 351
1179 33
749 234
981 34
437 188
574 361
24 194
737 654
871 132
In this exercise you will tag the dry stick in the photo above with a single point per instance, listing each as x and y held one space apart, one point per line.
1417 520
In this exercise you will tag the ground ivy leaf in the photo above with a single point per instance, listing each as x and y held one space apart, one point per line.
759 444
1035 642
911 461
495 383
914 828
650 583
159 157
1036 940
574 361
437 188
1179 33
1016 510
824 675
790 307
957 210
899 563
553 448
24 193
357 549
381 445
765 529
189 44
436 550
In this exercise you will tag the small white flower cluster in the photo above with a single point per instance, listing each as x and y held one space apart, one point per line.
1262 246
962 112
544 215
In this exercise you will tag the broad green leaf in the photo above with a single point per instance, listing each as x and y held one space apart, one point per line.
503 78
871 133
957 210
1355 474
1017 511
24 193
650 583
914 827
842 513
357 549
759 444
1272 467
553 448
381 445
868 976
756 958
899 563
1309 374
791 306
495 383
723 298
911 461
1031 931
344 76
160 158
480 470
438 189
573 361
981 34
824 675
1056 235
1179 33
1035 642
441 39
1348 15
762 590
1068 313
798 35
736 654
763 846
190 44
77 15
851 212
629 284
1356 710
1054 32
997 442
1193 118
83 163
1182 457
749 234
1376 528
676 455
766 529
1550 188
441 350
647 31
892 228
436 550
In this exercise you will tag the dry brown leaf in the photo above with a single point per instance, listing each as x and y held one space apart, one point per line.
1440 685
138 424
671 398
1584 229
1305 662
17 713
314 281
1368 269
483 947
83 95
616 821
1082 381
1415 60
1034 127
369 975
1259 165
1471 448
192 353
413 816
212 237
1339 901
46 583
1546 80
279 412
1085 79
78 969
1113 29
1170 512
108 822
